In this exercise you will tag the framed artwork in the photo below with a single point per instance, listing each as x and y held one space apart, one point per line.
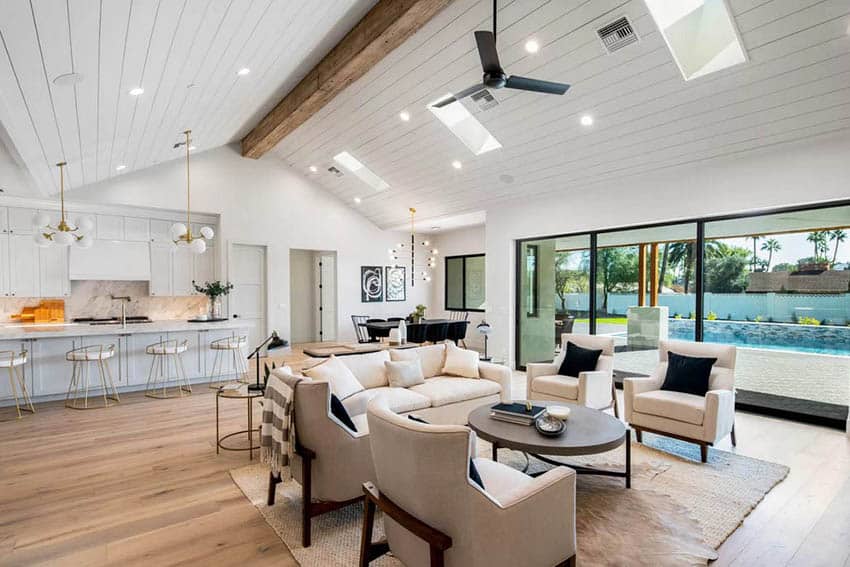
371 284
396 283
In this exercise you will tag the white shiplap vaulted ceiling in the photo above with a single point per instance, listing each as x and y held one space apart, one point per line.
796 85
162 46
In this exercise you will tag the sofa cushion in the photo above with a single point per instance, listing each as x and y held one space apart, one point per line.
500 480
342 382
444 390
556 385
687 374
578 360
361 422
460 362
400 400
679 406
368 368
404 373
431 357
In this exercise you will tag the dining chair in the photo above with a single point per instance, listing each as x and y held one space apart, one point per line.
392 319
457 332
375 335
458 315
359 330
436 332
416 333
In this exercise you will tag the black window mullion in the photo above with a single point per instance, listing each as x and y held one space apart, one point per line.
592 285
699 276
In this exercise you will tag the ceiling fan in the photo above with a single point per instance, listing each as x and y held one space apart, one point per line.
495 77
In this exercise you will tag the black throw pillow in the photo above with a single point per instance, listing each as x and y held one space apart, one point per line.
338 411
687 374
474 476
578 360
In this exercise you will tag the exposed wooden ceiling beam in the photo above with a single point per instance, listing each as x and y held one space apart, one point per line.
384 28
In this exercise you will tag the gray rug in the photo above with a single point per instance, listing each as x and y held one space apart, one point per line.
678 511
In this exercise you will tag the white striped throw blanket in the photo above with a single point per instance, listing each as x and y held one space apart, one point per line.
277 432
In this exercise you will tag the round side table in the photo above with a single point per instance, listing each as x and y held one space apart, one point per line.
240 393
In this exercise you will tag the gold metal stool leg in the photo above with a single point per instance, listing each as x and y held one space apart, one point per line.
14 392
24 393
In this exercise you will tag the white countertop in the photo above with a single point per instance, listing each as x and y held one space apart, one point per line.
16 331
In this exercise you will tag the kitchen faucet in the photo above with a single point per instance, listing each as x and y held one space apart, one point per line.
124 299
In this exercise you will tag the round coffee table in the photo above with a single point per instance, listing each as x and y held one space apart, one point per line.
589 431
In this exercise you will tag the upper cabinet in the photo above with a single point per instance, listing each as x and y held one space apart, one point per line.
23 266
20 220
53 278
4 220
109 227
161 230
136 229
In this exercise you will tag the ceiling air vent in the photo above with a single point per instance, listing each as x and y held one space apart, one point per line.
335 171
484 99
617 34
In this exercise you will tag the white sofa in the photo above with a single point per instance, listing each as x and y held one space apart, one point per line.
441 399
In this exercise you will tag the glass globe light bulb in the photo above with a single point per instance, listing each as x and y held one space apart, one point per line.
178 229
84 224
63 238
40 240
40 220
207 232
84 242
198 246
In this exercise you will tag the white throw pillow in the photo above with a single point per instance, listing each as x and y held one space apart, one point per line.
342 382
431 357
368 368
460 362
404 373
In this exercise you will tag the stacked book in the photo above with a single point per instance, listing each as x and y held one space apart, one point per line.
518 413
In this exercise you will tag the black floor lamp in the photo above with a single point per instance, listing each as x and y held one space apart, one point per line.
273 341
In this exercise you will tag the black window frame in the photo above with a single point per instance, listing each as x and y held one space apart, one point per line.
462 257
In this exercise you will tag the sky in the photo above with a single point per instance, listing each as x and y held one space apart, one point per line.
794 247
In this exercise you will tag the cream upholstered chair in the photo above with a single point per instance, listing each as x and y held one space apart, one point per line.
592 389
697 419
429 500
331 462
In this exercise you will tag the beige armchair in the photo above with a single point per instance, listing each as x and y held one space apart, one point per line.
434 514
697 419
592 389
331 462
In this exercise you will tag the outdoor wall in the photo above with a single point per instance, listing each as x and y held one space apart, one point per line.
792 174
266 202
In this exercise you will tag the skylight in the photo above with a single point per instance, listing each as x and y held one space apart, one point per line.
465 126
701 35
362 172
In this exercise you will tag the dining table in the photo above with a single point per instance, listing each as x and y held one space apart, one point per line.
386 325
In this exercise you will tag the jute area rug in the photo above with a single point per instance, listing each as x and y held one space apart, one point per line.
677 512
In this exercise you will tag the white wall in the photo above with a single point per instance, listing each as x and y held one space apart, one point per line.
808 172
266 202
455 243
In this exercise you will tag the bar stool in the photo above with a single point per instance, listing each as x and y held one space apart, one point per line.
159 375
83 358
13 361
228 346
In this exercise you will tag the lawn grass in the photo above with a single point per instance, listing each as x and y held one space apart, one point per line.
608 320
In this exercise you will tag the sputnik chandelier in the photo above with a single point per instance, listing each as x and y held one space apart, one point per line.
422 268
62 234
181 233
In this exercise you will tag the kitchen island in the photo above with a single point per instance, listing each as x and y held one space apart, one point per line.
48 374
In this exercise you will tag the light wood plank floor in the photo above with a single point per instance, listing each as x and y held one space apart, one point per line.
140 483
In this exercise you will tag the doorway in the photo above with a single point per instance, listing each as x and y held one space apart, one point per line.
247 273
312 295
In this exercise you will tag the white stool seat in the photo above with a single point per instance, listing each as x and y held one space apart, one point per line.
82 380
18 360
161 348
166 354
228 344
84 355
232 348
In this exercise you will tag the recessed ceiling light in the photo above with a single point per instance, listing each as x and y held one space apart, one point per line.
587 120
137 91
357 200
314 169
456 164
532 46
435 228
192 148
362 172
68 79
465 126
121 167
404 115
243 71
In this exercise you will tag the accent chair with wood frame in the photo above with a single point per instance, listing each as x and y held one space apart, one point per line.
593 389
435 514
330 462
703 420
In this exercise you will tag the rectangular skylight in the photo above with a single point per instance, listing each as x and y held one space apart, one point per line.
700 34
362 172
465 126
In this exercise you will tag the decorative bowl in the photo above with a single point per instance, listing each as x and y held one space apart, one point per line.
558 412
549 426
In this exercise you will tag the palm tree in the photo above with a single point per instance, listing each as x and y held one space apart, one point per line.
838 236
770 246
665 256
755 239
684 254
819 242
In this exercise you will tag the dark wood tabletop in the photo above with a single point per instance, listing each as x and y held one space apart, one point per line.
589 431
382 325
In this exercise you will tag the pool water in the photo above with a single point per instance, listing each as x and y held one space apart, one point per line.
738 341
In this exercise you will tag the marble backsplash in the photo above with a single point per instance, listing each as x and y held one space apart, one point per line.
90 298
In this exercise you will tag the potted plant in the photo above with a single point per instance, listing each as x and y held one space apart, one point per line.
418 314
214 291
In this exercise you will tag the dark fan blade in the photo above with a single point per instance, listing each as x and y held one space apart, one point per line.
487 52
535 85
457 96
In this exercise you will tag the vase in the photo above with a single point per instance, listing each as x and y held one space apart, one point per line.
215 307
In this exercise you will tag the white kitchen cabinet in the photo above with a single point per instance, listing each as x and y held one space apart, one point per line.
6 388
53 272
182 271
192 359
4 220
133 362
136 229
160 282
204 269
208 355
110 227
111 260
23 266
20 220
51 372
160 230
5 290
